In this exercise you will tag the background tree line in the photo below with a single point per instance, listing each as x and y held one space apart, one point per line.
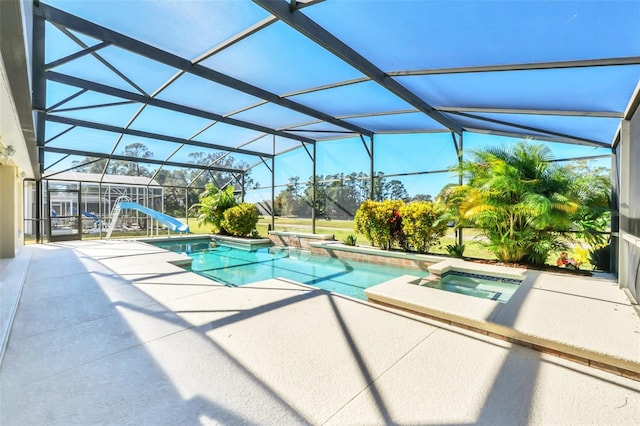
338 196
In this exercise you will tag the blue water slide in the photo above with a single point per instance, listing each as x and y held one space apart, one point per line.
170 222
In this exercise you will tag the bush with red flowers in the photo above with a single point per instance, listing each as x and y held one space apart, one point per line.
392 223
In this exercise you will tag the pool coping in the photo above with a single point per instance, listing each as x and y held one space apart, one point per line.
242 243
238 242
460 265
374 251
306 235
160 239
503 320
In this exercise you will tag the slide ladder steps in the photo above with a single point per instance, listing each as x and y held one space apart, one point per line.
115 212
114 217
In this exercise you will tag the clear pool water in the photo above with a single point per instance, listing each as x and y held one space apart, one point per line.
237 267
482 286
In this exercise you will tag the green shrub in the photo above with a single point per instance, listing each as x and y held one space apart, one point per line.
380 223
600 258
456 250
350 240
240 220
423 224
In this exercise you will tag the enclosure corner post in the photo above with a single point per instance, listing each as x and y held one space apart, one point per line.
273 185
459 149
313 192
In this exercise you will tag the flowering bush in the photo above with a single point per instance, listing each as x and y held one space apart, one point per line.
423 223
381 223
416 226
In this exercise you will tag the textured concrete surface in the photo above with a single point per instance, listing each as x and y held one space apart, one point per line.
13 273
110 333
583 316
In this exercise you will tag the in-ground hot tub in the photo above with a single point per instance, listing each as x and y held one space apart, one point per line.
480 285
455 290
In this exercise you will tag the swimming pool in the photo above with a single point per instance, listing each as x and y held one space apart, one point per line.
236 267
481 286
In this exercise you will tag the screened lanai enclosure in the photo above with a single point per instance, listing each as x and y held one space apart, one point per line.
82 203
309 108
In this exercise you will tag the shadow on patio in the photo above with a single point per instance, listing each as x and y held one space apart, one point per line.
92 345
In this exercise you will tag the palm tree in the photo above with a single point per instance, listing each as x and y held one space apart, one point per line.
517 197
213 203
592 188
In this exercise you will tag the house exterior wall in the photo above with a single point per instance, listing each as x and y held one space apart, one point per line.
15 120
11 223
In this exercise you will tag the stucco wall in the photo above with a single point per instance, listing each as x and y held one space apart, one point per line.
9 214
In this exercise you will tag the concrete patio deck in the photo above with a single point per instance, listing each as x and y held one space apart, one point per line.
109 332
586 319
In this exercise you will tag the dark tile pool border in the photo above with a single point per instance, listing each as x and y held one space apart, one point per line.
483 277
